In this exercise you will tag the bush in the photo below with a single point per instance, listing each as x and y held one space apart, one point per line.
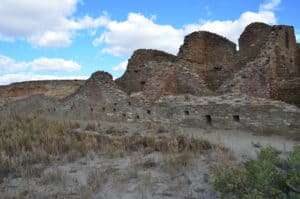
267 177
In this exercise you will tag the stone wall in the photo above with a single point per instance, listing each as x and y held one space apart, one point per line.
298 59
268 56
252 40
207 48
141 67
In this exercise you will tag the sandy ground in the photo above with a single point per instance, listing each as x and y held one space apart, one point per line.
139 174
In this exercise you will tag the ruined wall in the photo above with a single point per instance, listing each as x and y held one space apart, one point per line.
207 48
298 59
252 40
211 56
174 81
268 56
225 112
141 67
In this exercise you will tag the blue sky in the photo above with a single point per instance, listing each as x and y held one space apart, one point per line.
67 39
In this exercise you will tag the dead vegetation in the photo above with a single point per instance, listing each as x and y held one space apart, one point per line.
30 145
34 140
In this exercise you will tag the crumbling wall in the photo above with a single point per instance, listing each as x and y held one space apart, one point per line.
211 57
207 48
174 81
298 59
252 40
141 67
268 56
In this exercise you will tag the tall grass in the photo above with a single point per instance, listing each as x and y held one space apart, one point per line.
26 141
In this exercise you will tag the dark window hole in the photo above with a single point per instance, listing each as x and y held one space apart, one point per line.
114 110
143 82
149 112
208 119
115 104
187 112
129 103
103 109
218 68
137 117
236 118
124 115
287 39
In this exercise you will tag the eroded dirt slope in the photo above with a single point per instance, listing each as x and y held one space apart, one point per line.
54 88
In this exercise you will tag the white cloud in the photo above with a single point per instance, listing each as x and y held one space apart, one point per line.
138 32
54 64
122 38
121 67
11 78
43 23
298 37
7 64
269 5
51 39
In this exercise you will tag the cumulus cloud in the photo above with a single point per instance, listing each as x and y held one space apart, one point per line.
51 39
123 37
11 78
138 31
46 64
7 64
121 67
43 23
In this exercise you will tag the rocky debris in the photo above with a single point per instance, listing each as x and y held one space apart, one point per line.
99 89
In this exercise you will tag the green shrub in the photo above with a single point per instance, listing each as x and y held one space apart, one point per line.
267 177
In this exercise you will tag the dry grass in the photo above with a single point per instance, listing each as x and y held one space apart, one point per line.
25 142
96 179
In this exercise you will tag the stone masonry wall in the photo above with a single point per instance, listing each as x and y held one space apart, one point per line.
141 67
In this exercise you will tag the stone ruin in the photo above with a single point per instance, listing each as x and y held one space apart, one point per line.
209 84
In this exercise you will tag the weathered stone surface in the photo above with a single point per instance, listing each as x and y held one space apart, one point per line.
174 81
141 67
252 40
207 48
211 57
99 88
298 59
